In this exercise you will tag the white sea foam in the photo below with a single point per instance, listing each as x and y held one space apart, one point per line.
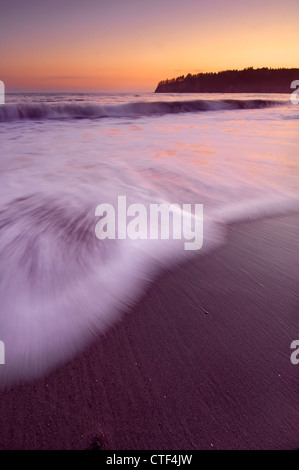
60 284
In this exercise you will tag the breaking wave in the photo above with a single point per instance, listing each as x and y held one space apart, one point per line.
21 111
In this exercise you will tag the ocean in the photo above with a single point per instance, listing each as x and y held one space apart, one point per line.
64 154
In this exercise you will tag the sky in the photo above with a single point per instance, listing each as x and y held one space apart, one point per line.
130 45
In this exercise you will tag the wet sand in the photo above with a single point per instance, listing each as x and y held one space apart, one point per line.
201 362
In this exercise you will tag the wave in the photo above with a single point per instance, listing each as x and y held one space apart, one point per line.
61 286
34 111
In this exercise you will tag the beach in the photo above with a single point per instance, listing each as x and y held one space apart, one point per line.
201 361
149 220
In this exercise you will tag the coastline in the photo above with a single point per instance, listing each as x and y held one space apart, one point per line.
248 80
201 362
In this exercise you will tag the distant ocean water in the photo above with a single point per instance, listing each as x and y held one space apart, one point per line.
63 154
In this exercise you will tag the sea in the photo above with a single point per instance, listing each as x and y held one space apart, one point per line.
62 155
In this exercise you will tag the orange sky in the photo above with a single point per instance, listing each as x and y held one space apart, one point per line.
126 45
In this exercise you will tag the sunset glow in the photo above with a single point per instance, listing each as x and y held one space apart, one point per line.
130 45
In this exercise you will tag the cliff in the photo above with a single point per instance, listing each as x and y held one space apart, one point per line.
249 80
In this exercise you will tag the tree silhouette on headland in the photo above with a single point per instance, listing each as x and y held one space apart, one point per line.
248 80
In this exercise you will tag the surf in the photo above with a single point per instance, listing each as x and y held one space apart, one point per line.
75 110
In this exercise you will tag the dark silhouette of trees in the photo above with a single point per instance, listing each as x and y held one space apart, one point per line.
248 80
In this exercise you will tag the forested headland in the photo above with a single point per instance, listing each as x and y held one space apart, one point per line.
249 80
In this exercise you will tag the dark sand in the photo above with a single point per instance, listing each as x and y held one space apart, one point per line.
202 362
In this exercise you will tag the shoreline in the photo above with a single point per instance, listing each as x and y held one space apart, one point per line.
202 361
